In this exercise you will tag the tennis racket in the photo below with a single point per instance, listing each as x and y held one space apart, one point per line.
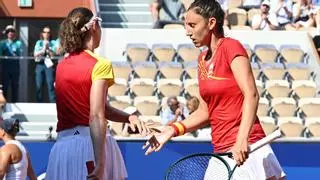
194 167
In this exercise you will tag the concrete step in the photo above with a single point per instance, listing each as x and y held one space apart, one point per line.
142 7
124 1
136 25
134 16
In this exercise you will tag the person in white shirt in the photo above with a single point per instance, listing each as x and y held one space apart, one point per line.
266 20
283 11
15 161
303 14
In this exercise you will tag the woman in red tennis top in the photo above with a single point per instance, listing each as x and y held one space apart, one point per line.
229 97
82 82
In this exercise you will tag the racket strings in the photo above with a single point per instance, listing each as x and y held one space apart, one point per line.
195 168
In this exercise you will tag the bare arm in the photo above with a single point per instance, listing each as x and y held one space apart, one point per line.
116 115
4 162
97 123
30 172
246 83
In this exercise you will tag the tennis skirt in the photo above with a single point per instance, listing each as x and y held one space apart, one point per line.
261 165
68 156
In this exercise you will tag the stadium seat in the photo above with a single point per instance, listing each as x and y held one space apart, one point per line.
277 88
147 105
313 125
144 69
273 71
169 87
292 53
283 107
304 88
137 52
251 13
248 50
187 3
121 69
163 52
309 107
142 87
234 4
170 70
266 53
263 107
260 88
268 124
298 71
237 16
191 69
120 102
291 126
119 88
188 52
191 87
255 70
116 128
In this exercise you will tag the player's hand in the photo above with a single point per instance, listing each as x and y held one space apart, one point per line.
96 173
178 112
140 125
240 151
156 142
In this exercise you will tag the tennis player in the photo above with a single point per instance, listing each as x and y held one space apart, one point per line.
15 161
82 82
229 97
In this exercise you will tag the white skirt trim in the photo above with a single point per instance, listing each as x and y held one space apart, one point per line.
261 165
73 149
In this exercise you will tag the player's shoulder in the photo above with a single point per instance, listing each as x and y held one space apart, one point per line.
227 42
99 58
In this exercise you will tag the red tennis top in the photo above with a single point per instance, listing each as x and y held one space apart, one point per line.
74 77
220 91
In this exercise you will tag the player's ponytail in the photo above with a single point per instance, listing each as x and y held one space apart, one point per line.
71 37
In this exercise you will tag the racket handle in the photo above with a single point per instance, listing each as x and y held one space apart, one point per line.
266 140
90 166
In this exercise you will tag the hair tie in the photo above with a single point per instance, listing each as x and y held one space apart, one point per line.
89 24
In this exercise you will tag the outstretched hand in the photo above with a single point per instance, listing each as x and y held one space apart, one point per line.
156 142
140 125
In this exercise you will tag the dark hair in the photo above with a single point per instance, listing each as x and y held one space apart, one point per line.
71 37
172 98
10 126
208 9
41 36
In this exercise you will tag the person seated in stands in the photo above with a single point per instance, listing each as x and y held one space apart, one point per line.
266 20
167 12
192 104
283 11
303 14
174 112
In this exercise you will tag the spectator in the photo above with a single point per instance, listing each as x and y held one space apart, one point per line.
283 11
192 104
266 20
12 48
43 53
174 112
303 14
167 12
